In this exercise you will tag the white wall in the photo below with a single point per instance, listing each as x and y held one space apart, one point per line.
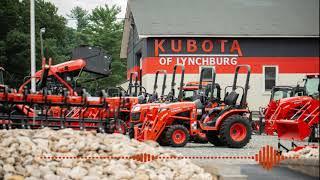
256 95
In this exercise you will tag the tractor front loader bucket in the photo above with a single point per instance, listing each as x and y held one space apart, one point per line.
292 130
299 126
97 60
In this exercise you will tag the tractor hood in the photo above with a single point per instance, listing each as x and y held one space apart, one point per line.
295 100
142 107
177 105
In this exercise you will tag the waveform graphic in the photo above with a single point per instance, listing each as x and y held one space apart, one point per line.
269 157
144 157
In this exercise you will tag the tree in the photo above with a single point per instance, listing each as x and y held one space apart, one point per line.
98 28
105 31
81 16
15 36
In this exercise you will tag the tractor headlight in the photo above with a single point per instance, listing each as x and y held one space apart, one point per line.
136 108
162 109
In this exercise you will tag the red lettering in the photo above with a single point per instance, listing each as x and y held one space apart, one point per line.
236 47
192 46
222 45
173 46
158 46
204 46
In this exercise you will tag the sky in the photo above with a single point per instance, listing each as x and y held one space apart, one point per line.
65 6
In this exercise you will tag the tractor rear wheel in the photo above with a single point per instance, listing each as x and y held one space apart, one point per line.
235 131
177 135
131 131
214 138
117 126
162 140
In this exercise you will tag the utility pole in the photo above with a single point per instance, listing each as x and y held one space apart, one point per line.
32 47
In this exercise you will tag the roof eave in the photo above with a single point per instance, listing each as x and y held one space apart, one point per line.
126 33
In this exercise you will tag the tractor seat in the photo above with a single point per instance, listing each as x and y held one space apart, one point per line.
153 97
231 98
198 104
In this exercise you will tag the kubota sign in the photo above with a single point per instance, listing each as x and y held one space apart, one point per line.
199 52
207 46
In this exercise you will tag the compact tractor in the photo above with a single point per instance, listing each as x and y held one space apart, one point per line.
296 118
139 111
189 93
227 124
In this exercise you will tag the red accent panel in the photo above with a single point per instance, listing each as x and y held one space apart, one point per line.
286 65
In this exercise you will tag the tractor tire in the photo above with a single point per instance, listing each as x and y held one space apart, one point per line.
177 135
113 127
214 138
201 139
235 131
131 131
162 140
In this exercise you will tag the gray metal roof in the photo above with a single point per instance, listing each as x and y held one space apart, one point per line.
272 18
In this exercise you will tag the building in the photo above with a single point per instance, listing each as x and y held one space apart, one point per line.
278 38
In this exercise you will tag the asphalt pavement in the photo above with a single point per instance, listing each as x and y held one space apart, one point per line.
247 167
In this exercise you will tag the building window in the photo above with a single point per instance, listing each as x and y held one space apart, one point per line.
207 75
270 77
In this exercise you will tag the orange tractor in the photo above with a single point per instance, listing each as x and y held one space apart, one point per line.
189 93
173 123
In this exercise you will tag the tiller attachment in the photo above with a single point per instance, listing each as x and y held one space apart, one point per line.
23 110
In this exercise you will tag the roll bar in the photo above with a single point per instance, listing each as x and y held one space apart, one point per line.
135 83
213 80
246 87
155 86
173 83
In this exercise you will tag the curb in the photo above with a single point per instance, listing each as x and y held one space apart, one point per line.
305 166
223 172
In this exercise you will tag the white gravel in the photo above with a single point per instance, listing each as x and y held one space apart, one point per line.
21 151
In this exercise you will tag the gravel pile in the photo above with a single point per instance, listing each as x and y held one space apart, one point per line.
21 152
307 153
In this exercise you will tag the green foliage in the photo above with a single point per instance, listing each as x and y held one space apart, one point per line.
15 36
98 28
105 31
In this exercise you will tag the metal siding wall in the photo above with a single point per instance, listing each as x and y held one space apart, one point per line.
134 45
257 48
